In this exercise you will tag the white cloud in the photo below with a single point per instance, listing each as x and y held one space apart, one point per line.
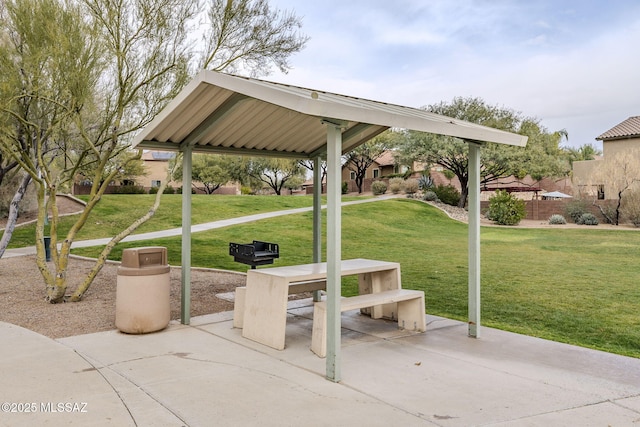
572 68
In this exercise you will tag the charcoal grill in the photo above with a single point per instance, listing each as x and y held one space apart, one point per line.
254 254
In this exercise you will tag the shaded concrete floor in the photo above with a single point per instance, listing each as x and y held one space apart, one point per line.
206 374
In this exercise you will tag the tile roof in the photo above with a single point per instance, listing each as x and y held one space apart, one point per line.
386 159
627 129
158 155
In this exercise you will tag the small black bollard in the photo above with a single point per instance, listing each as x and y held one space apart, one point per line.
47 248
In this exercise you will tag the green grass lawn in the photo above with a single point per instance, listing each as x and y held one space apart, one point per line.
578 286
115 212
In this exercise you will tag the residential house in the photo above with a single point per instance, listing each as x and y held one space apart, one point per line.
156 164
381 167
622 138
385 165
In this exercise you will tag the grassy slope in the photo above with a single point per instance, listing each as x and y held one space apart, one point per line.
570 285
116 212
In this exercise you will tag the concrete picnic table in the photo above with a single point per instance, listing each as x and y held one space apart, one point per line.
263 313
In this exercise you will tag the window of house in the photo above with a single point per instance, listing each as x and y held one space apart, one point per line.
600 192
376 173
155 183
352 176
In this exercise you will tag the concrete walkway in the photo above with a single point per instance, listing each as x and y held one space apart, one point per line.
31 250
206 374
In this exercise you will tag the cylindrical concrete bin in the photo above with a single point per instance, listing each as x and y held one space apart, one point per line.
143 288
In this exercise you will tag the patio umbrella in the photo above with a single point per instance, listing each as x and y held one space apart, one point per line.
556 195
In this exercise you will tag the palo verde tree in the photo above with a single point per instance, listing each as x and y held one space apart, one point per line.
542 156
98 72
47 72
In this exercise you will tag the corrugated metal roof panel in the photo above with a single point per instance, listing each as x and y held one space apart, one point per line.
221 112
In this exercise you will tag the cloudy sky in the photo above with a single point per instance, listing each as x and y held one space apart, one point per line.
574 65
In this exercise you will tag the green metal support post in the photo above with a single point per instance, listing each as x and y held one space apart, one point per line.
317 216
474 239
185 296
334 252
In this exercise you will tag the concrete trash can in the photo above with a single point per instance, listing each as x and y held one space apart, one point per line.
142 292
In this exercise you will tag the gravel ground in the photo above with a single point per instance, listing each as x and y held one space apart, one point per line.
22 296
22 292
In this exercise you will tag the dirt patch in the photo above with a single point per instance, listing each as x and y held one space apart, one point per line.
66 206
22 297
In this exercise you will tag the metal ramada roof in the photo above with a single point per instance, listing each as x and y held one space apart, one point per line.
220 112
630 128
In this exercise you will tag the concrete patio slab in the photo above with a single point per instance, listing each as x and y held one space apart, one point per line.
208 374
44 382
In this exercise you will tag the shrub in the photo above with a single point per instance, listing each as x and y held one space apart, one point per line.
557 219
345 187
609 211
430 196
575 208
448 194
505 209
425 182
395 185
587 219
153 190
179 190
169 190
411 186
631 207
129 189
378 188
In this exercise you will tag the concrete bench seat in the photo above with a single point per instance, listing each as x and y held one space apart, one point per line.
262 311
410 313
294 288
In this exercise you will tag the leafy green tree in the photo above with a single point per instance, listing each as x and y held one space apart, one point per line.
584 152
542 156
79 84
271 172
209 171
294 182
